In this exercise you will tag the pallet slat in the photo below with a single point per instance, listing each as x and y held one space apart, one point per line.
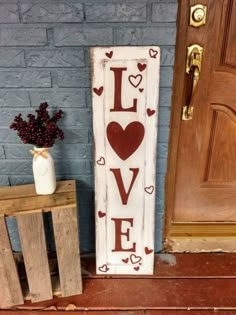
65 227
10 289
22 191
37 203
33 243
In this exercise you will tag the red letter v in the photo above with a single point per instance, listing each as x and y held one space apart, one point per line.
123 194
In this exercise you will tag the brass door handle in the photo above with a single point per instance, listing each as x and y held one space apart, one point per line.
193 69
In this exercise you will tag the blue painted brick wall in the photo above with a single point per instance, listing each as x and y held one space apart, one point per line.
44 56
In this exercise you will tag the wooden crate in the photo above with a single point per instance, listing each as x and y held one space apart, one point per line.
23 203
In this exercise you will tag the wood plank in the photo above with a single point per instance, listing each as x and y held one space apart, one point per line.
132 294
48 312
125 156
191 311
65 225
196 265
172 293
179 265
29 190
135 312
37 203
56 287
33 243
10 288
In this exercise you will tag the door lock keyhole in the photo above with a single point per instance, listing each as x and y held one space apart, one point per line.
198 15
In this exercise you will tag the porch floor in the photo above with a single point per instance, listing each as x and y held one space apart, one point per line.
182 284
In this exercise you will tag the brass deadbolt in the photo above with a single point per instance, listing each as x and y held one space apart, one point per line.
198 15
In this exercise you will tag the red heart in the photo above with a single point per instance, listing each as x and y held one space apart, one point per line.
149 189
103 268
136 268
135 259
125 260
135 80
125 141
140 90
153 53
109 54
150 112
148 251
141 66
101 161
101 214
98 91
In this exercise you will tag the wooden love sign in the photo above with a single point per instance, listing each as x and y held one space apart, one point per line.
125 90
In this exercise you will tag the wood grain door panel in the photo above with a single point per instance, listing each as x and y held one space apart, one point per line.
228 55
201 179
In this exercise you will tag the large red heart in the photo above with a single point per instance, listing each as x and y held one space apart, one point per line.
125 141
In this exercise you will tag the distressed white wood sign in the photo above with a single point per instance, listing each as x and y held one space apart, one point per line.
125 89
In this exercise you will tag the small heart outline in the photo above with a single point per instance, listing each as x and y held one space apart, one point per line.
149 190
133 78
135 259
153 53
101 161
103 268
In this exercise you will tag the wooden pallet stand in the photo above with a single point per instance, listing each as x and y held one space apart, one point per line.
23 203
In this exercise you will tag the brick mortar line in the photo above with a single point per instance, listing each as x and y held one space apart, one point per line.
88 2
79 48
4 153
31 68
55 89
45 25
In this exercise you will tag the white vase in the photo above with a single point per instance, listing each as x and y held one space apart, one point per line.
44 171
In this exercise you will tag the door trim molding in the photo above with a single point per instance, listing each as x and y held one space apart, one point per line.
203 229
178 96
201 237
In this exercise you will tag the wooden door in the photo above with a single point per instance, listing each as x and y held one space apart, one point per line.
201 179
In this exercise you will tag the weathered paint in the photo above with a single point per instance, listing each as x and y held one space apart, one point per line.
125 89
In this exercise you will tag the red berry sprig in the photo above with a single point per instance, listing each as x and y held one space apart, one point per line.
40 130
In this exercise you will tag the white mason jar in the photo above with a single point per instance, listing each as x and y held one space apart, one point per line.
44 171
